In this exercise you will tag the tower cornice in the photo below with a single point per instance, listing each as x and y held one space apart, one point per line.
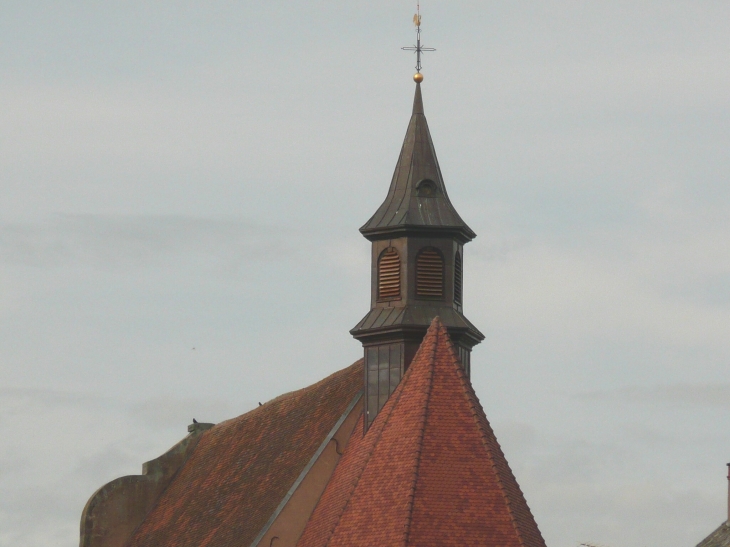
463 234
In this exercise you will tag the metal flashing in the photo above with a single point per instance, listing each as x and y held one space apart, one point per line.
306 470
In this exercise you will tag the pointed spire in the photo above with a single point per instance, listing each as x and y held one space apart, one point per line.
418 101
417 199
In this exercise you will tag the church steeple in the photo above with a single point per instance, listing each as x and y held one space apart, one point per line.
417 265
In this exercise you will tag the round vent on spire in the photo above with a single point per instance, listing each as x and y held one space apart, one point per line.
429 273
427 189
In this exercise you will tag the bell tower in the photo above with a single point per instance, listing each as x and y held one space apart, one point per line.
417 265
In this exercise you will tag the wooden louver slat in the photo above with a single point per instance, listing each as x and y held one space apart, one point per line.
429 273
457 279
389 275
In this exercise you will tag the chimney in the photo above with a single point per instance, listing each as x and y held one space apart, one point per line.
728 493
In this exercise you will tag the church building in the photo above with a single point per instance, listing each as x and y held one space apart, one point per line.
393 450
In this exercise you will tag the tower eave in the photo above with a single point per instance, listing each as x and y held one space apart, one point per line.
463 233
464 335
412 322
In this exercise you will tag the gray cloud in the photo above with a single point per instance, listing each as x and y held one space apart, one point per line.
169 412
585 491
115 241
46 480
710 395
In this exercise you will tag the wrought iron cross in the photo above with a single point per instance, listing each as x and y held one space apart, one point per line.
418 48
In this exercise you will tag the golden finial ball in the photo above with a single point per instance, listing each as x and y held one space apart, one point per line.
418 77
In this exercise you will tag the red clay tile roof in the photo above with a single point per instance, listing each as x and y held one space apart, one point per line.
429 472
242 468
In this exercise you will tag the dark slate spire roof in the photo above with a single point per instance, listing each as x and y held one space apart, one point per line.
412 203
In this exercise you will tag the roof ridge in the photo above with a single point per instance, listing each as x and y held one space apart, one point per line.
477 413
405 197
241 470
232 517
395 397
422 430
291 394
432 146
396 174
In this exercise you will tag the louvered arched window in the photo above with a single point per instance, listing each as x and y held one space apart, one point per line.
429 273
389 275
457 279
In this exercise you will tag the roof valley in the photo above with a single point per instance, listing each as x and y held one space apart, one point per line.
376 433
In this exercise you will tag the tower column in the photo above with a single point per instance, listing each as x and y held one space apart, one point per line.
417 267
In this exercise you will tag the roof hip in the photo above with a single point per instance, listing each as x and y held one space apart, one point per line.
421 432
428 472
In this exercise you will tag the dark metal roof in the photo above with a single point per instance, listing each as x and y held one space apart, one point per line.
718 538
413 203
415 316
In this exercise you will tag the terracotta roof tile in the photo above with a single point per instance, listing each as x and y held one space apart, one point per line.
242 468
429 472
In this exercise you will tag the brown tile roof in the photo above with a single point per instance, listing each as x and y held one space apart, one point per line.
719 538
242 468
429 472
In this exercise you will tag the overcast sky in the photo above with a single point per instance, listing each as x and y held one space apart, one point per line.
179 175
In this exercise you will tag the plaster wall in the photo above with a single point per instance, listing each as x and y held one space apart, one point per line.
115 511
